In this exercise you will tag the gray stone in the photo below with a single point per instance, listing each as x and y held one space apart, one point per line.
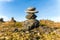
31 16
30 24
31 10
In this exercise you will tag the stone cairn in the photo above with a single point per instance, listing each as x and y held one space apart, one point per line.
12 20
1 20
32 22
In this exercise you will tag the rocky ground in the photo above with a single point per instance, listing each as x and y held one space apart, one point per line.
40 33
14 31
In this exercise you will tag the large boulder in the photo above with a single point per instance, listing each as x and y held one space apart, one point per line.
30 24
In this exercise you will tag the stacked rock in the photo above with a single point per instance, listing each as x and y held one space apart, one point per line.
31 23
31 13
12 20
1 20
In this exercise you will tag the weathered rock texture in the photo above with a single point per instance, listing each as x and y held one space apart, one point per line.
31 23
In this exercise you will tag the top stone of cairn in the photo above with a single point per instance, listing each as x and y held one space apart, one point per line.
31 10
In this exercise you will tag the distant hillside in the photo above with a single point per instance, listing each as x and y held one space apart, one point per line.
44 25
49 23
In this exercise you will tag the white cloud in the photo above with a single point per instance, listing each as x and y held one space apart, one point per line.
56 18
6 0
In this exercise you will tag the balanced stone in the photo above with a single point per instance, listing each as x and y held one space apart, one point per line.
31 16
31 10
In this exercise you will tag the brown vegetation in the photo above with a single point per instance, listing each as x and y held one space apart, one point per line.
48 30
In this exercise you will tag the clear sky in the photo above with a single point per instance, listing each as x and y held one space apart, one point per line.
48 9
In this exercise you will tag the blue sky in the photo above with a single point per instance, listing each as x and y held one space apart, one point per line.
48 9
